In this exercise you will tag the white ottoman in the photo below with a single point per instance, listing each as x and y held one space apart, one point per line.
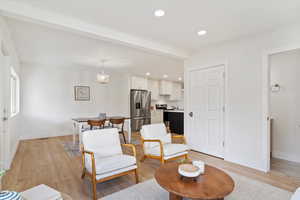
41 192
296 195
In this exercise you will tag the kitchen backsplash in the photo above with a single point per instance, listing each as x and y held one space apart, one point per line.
165 100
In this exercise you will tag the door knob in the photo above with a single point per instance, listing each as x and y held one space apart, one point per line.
191 114
4 114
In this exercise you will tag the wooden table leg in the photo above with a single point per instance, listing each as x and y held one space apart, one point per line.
174 197
74 132
129 131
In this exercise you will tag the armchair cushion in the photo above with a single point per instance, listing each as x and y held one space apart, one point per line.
296 195
169 150
103 142
110 164
155 131
119 171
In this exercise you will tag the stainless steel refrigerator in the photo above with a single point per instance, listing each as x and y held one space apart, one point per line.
140 114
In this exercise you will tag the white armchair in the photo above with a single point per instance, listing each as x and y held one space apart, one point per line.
296 195
103 159
157 144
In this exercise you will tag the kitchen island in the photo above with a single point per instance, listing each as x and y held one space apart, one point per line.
176 120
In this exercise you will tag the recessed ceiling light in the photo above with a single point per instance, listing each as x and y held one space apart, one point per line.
159 13
180 79
202 32
148 74
165 76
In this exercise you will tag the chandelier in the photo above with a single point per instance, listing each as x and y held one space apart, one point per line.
102 78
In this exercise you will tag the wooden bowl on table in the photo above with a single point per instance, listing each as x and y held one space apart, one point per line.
189 171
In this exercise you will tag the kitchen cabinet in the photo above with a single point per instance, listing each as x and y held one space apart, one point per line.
176 120
153 86
176 92
139 83
165 87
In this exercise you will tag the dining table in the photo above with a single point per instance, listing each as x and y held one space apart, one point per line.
80 123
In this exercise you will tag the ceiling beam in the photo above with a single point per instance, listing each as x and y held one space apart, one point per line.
25 12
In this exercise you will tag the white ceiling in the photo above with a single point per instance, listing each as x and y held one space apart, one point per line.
47 46
68 32
223 19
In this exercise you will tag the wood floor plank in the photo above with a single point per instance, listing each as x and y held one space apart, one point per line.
46 161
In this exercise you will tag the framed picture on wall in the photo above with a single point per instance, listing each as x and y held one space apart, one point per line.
82 93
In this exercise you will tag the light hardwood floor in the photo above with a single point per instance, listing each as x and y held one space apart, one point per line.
286 168
45 161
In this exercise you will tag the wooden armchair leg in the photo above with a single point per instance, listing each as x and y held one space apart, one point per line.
136 176
143 159
94 189
124 137
186 157
83 173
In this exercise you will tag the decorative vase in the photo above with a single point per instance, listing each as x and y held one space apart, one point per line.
9 195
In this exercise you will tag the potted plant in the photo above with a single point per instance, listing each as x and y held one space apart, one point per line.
2 172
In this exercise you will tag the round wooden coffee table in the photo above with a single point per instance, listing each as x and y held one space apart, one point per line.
65 196
214 184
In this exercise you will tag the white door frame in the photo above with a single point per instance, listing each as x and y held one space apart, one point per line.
266 137
5 60
187 71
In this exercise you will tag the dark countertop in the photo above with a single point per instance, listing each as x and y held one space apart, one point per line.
181 111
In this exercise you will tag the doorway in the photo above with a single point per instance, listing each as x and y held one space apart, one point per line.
284 109
206 108
4 96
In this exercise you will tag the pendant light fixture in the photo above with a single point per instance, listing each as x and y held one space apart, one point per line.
102 78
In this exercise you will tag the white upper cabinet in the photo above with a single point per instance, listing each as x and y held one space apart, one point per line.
153 86
176 92
165 87
139 83
157 88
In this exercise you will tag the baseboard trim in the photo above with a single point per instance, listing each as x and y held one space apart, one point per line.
285 156
233 161
45 136
207 154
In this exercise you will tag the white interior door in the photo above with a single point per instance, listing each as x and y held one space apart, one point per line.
206 110
4 84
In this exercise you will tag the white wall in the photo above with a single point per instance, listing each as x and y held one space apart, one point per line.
8 49
243 142
285 105
48 98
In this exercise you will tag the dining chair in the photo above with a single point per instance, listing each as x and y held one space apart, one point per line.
103 158
104 116
157 144
119 124
96 123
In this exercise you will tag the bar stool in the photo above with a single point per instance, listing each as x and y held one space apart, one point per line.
118 123
96 123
